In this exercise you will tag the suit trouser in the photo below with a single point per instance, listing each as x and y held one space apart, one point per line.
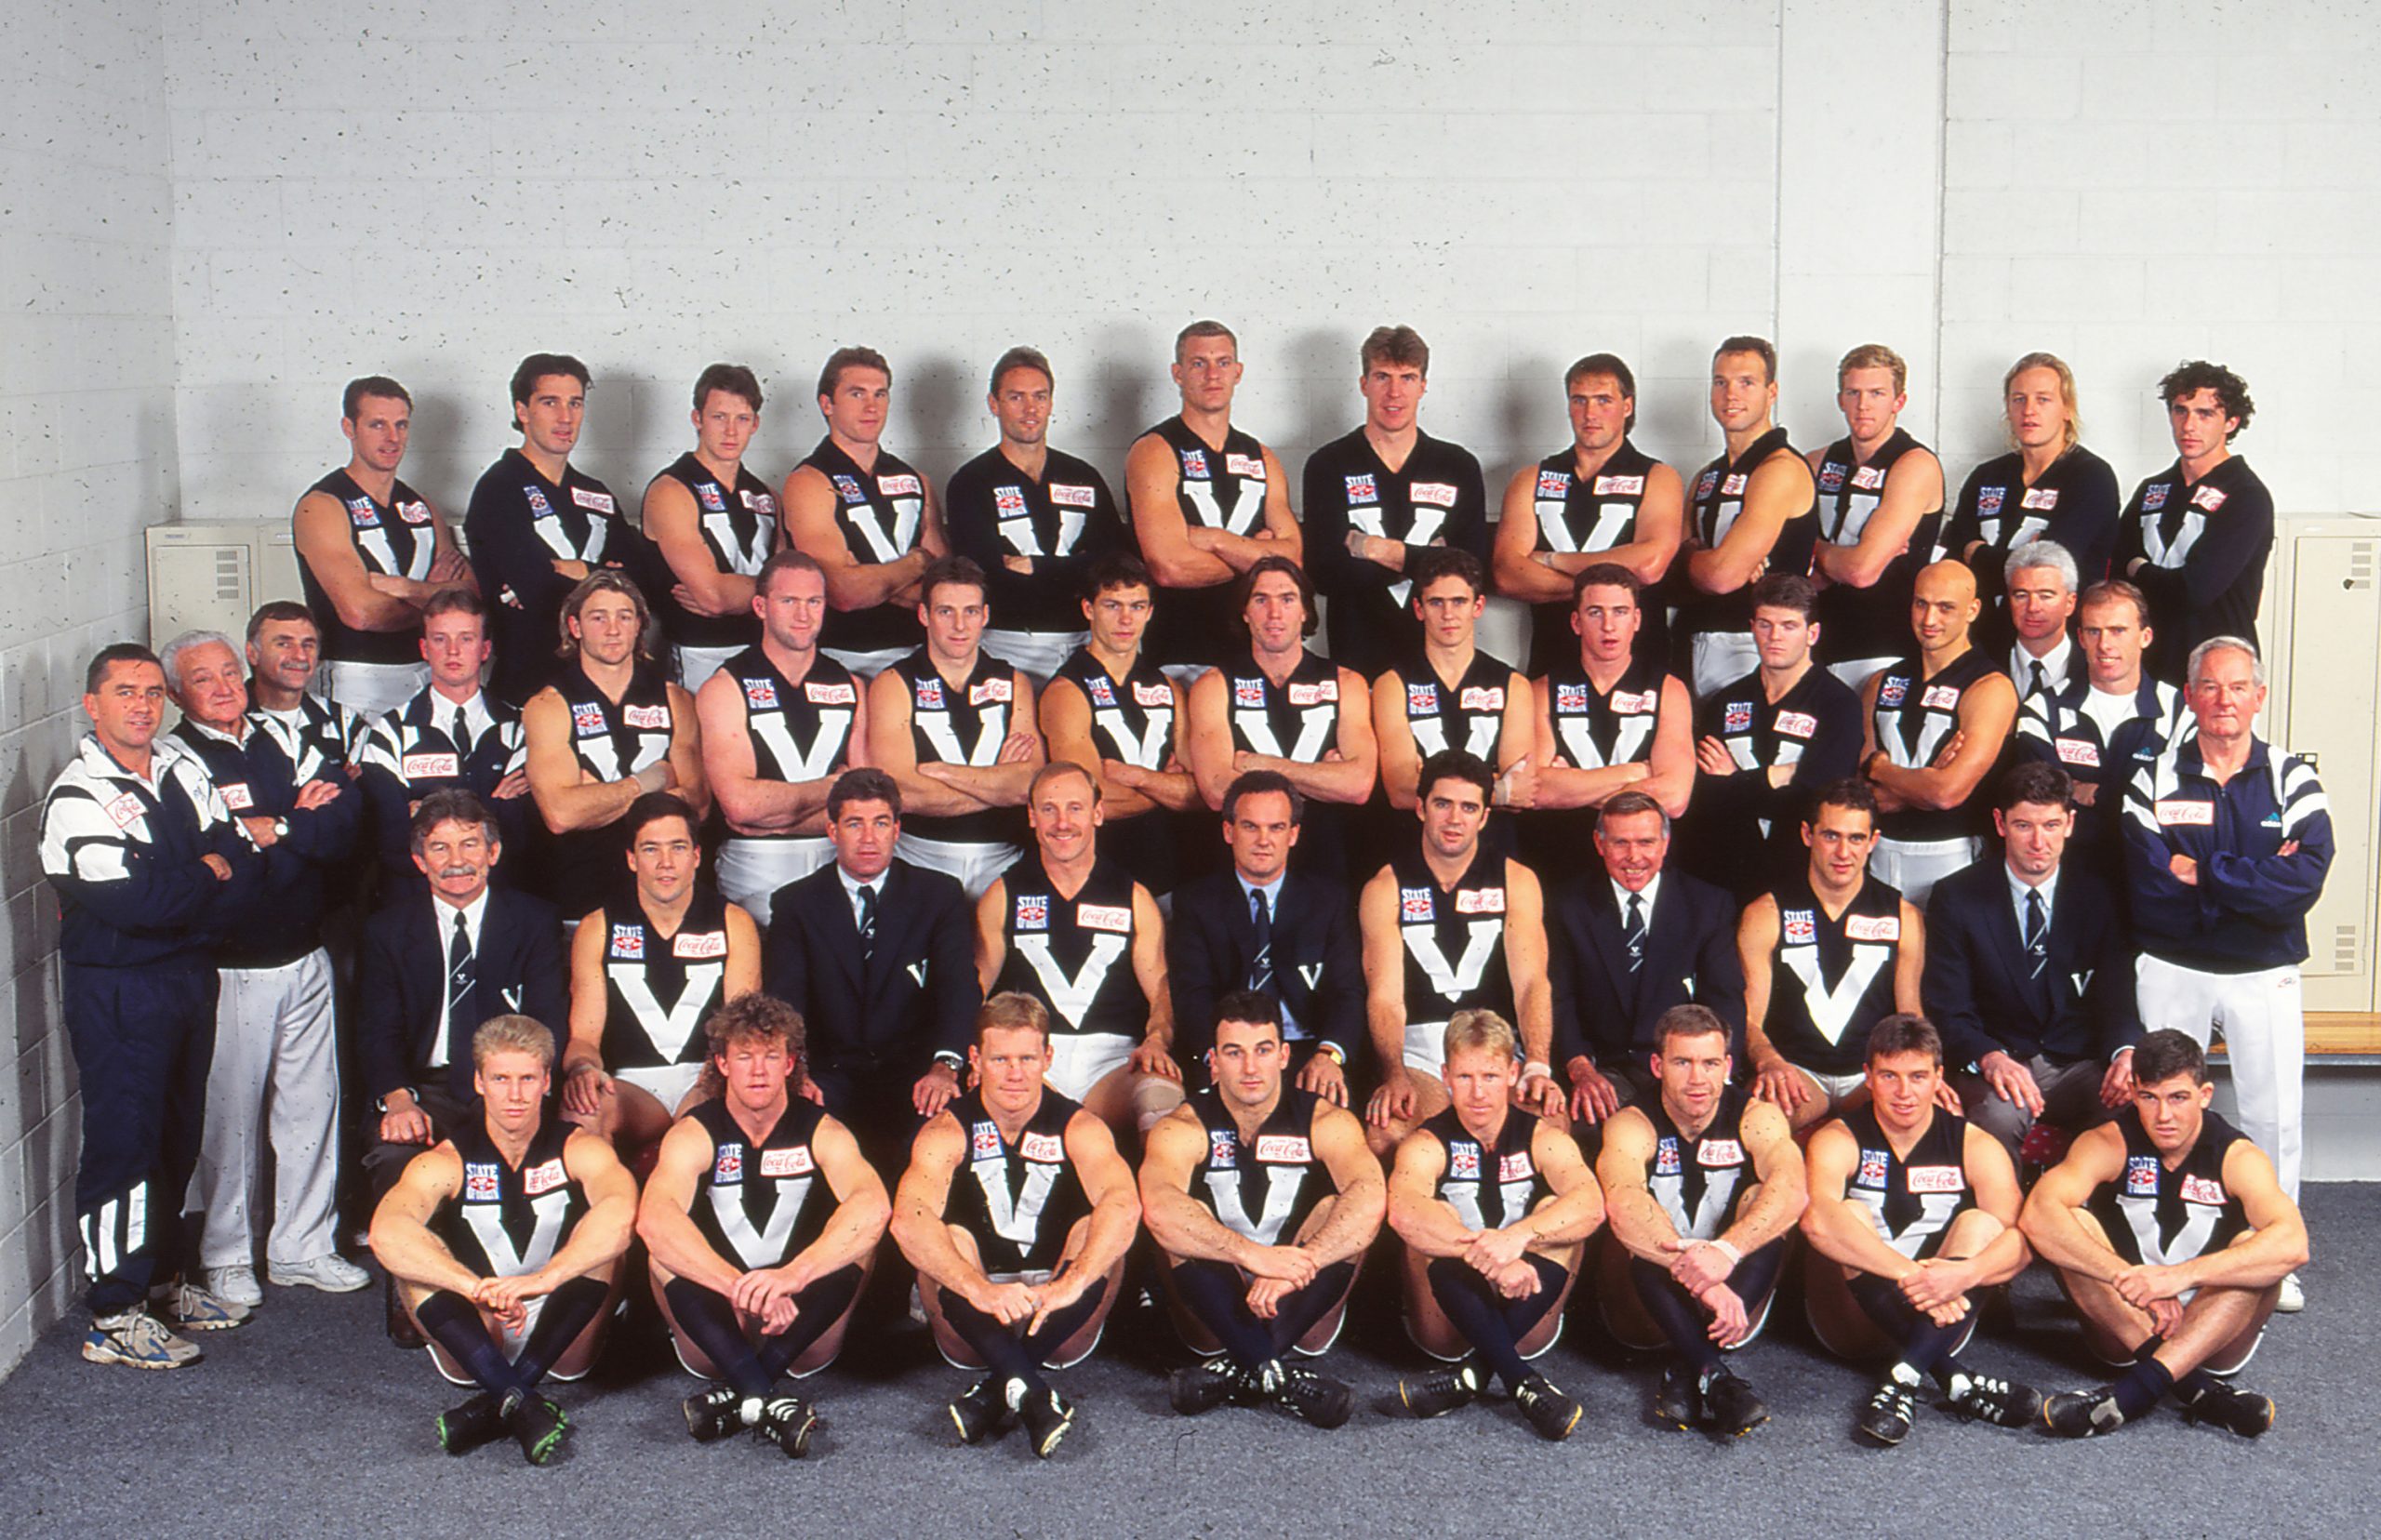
2071 1100
142 1039
2265 1041
446 1109
274 1075
876 1101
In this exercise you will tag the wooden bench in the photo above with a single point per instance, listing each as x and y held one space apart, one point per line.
2335 1040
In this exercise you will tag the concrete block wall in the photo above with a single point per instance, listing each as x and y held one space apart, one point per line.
259 199
86 461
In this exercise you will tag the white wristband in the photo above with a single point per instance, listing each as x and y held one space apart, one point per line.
1536 1067
1727 1251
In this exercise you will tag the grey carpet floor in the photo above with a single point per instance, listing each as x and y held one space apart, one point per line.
307 1421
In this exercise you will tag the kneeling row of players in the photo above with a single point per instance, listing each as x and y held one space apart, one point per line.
761 1219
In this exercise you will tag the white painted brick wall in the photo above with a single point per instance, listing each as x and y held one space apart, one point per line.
86 461
263 198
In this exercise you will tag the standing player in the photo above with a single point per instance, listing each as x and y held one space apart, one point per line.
1034 518
1609 719
1116 713
1450 695
2047 487
1450 927
1281 708
608 730
1827 955
1880 503
954 727
1600 500
1704 1186
2172 1236
643 976
453 736
1263 1199
1016 1211
1078 935
781 720
371 553
2196 535
1753 510
538 527
1912 1210
2106 722
866 516
2042 588
1376 499
1494 1205
1764 743
714 523
761 1219
1208 501
1934 727
504 1241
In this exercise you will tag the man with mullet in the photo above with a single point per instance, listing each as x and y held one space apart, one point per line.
1016 1211
2047 487
1752 511
866 516
1600 500
713 523
1378 497
1263 1198
1207 501
1703 1186
781 722
610 729
1282 708
1934 727
1880 503
371 553
761 1218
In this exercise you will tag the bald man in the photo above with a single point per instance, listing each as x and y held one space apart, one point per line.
1934 727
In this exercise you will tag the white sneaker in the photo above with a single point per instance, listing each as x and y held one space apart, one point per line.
2293 1298
235 1286
329 1272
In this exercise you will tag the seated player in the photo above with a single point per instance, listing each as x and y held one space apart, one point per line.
644 976
1827 955
1255 1273
1016 1211
1077 934
1696 1249
1912 1210
1450 926
503 1240
1494 1205
756 1264
2171 1236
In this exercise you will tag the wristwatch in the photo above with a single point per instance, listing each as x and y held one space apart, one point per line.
949 1060
381 1104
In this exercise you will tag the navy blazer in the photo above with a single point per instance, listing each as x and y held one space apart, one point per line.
1982 996
1600 1010
1318 963
402 984
915 997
